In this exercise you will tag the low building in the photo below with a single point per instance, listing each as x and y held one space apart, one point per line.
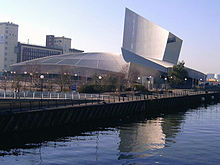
210 76
82 64
27 52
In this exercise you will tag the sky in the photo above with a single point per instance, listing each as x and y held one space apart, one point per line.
97 25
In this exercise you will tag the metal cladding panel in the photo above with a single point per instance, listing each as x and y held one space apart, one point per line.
144 37
134 58
173 48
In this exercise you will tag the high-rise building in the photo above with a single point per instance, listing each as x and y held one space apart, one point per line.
8 42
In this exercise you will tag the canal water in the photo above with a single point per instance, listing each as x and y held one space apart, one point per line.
187 137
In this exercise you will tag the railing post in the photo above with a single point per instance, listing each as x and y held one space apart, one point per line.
4 94
50 95
33 95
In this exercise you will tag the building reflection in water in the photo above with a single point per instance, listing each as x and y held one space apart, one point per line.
140 139
142 136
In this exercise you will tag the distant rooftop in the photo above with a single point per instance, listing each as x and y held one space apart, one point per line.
8 23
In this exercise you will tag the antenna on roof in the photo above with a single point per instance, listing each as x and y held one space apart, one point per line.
28 41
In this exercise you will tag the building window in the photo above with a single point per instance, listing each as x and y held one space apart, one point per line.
6 31
6 48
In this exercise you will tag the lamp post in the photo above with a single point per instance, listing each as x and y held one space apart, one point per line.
139 80
5 80
31 77
25 79
41 78
75 77
185 80
165 79
100 78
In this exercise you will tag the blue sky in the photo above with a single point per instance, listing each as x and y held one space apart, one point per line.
97 25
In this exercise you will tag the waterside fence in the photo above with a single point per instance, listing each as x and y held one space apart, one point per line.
28 113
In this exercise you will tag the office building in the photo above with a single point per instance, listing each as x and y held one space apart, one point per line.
27 52
8 42
54 46
60 43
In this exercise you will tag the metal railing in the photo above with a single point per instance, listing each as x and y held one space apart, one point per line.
46 95
26 101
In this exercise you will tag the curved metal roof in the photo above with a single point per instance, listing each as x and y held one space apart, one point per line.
101 61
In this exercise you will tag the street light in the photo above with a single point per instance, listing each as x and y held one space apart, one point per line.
139 80
25 79
41 77
165 82
185 80
100 78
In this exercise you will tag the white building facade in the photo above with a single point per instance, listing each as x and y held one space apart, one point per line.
8 42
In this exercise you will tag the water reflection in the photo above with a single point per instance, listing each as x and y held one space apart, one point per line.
121 140
140 139
142 136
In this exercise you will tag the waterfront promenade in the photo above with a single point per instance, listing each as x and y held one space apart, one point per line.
18 115
29 101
